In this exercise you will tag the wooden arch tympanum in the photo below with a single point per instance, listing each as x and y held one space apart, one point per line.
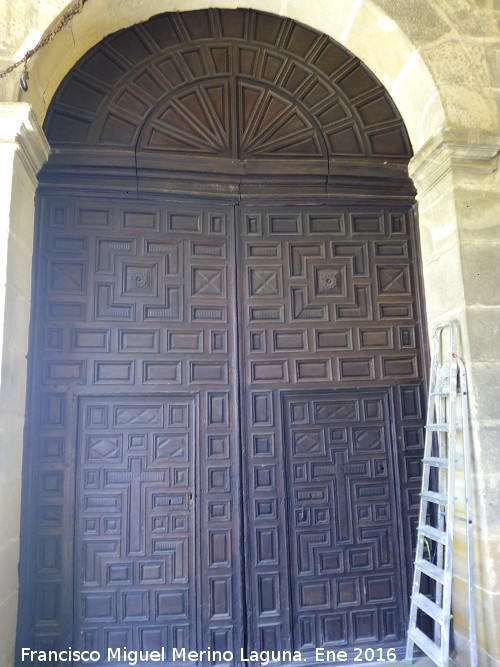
226 366
249 94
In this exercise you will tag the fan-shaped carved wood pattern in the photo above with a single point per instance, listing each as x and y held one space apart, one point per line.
238 84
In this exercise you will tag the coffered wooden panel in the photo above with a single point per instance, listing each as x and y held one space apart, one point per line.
229 83
227 352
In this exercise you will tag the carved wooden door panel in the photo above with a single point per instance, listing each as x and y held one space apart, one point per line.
135 417
329 312
342 521
217 393
135 522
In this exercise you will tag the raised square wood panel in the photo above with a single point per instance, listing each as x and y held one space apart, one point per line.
134 436
343 533
331 294
225 431
136 524
330 302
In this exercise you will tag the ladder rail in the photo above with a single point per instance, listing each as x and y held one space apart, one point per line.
450 491
468 513
447 402
432 408
419 554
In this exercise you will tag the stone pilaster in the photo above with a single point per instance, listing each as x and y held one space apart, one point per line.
456 175
23 150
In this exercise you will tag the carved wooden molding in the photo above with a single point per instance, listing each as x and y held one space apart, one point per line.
232 85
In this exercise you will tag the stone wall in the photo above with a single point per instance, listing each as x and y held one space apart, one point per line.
457 178
23 149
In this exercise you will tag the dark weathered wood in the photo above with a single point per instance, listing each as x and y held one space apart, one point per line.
328 303
136 426
134 432
253 182
226 365
269 90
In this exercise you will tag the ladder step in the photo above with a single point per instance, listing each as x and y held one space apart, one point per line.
436 462
433 533
434 497
427 645
446 435
437 427
428 607
442 427
430 570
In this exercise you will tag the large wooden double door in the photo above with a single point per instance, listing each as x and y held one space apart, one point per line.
225 403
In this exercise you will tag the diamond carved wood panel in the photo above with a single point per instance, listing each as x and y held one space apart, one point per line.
137 358
135 530
134 362
244 85
343 534
217 370
331 294
321 310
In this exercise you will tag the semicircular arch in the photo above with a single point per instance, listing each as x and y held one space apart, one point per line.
394 58
237 83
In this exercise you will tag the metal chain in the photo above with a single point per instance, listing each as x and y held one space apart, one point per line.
64 20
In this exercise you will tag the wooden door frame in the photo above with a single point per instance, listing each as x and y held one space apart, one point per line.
102 187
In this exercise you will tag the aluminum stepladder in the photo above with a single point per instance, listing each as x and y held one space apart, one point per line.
447 431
